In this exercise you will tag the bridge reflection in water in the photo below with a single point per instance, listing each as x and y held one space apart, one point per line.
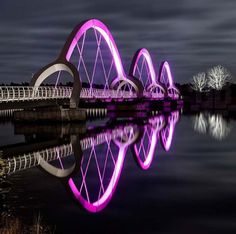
90 163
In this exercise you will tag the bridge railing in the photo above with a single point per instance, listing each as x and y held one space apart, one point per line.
153 95
27 93
88 93
32 159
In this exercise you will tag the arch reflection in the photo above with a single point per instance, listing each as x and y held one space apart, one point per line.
144 149
167 132
90 164
106 172
95 196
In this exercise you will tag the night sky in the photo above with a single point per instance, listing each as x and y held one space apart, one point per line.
191 35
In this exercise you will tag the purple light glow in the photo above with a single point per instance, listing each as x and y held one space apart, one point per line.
116 85
126 137
155 126
103 30
143 69
168 132
168 81
102 202
148 160
144 52
166 68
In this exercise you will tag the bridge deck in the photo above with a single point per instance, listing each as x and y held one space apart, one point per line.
30 93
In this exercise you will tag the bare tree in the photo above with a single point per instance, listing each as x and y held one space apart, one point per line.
199 82
218 76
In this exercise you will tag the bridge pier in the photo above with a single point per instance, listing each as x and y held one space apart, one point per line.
53 114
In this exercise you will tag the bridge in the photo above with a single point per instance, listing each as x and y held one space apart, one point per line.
94 161
91 59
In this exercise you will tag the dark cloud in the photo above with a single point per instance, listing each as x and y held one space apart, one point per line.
192 35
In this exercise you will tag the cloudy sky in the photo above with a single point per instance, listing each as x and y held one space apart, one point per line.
192 35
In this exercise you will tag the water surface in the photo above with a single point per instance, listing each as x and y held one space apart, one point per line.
187 188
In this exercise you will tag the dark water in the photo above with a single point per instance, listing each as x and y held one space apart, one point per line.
188 188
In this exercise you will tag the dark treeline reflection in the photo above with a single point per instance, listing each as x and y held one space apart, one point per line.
89 161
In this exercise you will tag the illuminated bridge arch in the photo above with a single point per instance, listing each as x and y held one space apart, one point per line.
90 51
142 68
111 68
57 67
91 57
166 79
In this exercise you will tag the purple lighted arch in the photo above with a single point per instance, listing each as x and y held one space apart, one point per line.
143 52
105 33
168 80
165 67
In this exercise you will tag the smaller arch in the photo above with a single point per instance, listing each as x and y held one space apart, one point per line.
139 53
166 79
150 85
132 82
58 66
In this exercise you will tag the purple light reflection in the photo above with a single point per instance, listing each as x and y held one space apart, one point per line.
102 202
168 132
166 78
151 133
147 145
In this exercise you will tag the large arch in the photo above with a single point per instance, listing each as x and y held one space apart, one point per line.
100 29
